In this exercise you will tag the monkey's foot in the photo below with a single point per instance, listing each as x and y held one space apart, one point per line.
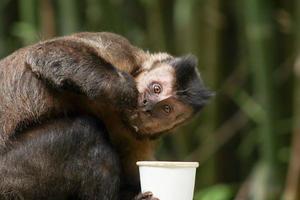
145 196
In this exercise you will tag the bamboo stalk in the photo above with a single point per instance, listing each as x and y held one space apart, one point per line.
184 37
155 30
196 33
183 21
47 19
292 188
2 34
27 11
208 34
68 18
206 44
27 28
94 14
259 40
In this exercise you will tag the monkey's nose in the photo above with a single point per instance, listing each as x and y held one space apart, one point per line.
148 107
145 102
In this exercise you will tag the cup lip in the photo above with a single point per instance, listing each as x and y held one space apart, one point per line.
168 164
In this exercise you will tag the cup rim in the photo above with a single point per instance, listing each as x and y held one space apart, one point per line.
168 164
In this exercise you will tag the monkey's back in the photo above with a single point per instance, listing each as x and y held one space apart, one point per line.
23 97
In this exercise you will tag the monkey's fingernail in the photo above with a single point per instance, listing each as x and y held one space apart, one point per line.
147 194
134 116
136 128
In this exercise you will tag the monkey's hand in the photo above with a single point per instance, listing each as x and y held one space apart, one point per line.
125 93
145 196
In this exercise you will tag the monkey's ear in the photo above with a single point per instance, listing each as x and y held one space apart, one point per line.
185 69
189 85
185 66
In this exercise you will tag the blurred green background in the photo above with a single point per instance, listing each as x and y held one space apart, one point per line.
247 139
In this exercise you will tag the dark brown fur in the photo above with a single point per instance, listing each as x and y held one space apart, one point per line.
25 98
31 95
65 158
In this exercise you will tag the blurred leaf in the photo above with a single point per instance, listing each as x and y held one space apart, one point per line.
68 16
216 192
284 154
25 31
252 108
264 184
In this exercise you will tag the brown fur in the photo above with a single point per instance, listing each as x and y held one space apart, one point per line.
93 74
25 100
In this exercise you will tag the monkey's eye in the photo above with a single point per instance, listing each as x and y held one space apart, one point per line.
167 109
156 88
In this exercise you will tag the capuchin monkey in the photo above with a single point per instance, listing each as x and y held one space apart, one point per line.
55 94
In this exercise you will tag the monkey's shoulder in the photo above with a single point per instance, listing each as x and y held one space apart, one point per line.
110 47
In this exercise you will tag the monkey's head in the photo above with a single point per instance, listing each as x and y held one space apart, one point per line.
170 92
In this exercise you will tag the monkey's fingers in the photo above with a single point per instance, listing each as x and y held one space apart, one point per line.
125 91
145 196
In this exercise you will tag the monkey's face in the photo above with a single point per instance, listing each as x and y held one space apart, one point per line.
159 109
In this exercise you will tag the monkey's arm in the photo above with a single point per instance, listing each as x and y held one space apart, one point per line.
70 65
115 49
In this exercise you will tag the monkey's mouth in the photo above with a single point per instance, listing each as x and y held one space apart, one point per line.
135 121
144 125
138 119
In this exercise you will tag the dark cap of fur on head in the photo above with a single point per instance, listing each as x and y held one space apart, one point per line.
189 85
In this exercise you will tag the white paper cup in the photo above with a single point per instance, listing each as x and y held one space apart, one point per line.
168 180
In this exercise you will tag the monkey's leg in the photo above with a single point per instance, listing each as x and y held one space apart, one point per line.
66 159
72 65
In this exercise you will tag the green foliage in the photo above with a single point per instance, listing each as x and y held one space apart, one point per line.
215 192
25 31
